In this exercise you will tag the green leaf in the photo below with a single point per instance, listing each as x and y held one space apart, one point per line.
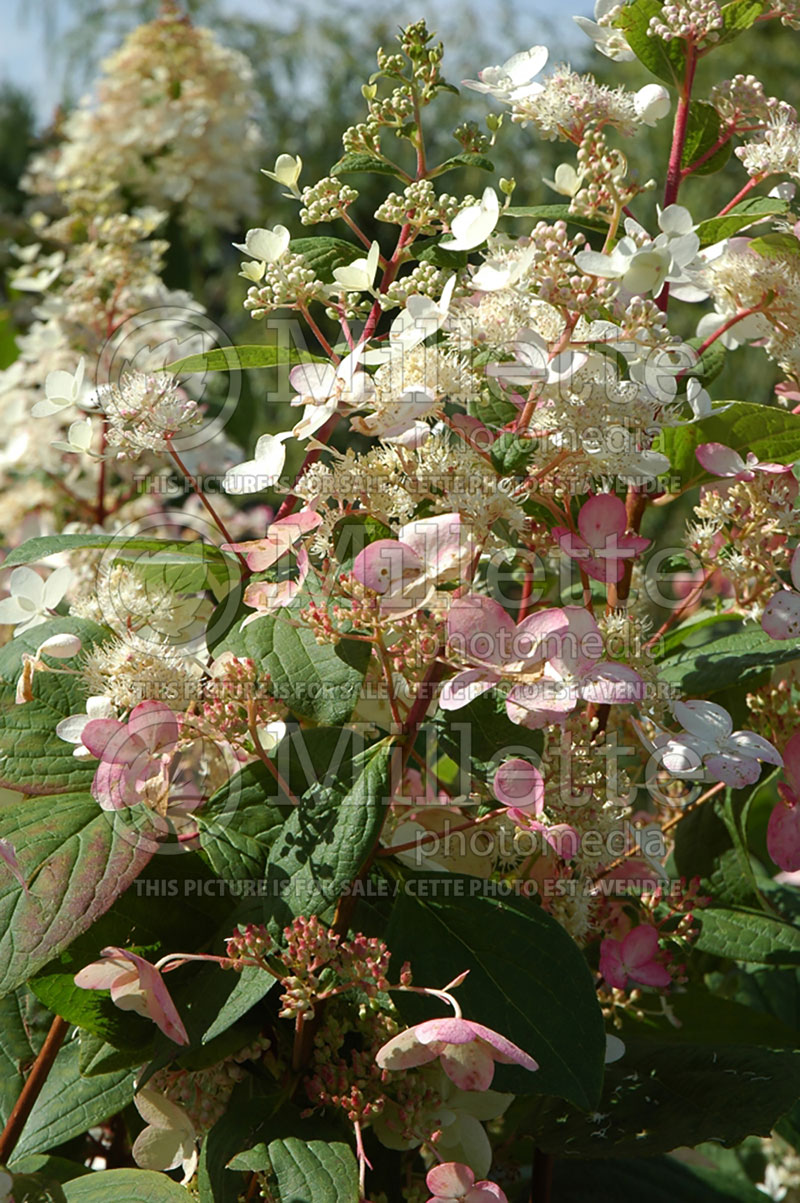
466 159
126 1186
34 1188
749 211
554 213
709 365
253 983
751 936
313 1171
69 1104
326 840
702 133
32 757
17 1050
354 162
258 1111
76 859
775 246
430 251
678 638
738 16
732 660
239 359
667 60
482 734
239 824
321 682
97 1056
56 1169
772 434
656 1179
324 254
202 558
527 979
492 409
663 1095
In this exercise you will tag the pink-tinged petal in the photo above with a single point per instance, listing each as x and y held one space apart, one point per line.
539 703
579 647
473 431
651 975
160 1007
781 617
720 460
791 763
98 733
444 543
541 636
101 975
610 683
563 839
783 837
773 469
404 1051
478 629
386 566
504 1050
465 687
267 596
571 544
114 785
154 724
639 946
281 536
611 964
450 1179
468 1066
747 743
486 1192
735 771
705 720
795 569
447 1030
519 784
602 518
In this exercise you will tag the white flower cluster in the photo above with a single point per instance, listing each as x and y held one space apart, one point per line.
144 411
170 107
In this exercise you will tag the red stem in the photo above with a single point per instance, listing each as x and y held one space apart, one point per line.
751 183
737 317
679 129
32 1088
221 527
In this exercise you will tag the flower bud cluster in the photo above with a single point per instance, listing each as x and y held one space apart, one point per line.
419 205
320 964
603 189
363 138
326 200
204 1093
289 282
742 100
424 280
690 20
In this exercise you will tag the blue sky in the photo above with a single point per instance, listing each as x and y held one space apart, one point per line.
26 59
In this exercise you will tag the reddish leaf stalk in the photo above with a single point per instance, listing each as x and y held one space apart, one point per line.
32 1088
